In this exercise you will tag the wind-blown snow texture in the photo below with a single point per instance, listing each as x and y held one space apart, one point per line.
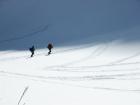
96 55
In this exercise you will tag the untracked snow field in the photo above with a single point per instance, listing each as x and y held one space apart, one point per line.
90 74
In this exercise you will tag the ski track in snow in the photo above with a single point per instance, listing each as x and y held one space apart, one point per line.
126 58
91 66
38 30
86 77
45 79
97 52
67 50
44 53
132 75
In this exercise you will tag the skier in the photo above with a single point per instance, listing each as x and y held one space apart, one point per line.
50 46
32 49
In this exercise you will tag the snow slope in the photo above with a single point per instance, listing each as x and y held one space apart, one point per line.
62 21
89 74
95 59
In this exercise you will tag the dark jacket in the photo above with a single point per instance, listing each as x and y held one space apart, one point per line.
32 49
50 46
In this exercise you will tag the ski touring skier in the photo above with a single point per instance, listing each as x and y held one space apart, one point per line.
50 46
32 50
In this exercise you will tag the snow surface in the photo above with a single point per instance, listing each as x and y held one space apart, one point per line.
96 55
107 73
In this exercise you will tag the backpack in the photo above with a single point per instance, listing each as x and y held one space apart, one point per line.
30 49
50 46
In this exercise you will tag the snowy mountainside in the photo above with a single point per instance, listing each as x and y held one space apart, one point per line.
99 71
72 75
28 22
95 59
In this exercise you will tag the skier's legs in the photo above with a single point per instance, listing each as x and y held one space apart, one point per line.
32 54
49 51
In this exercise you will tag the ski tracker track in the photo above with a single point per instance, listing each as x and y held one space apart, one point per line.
99 50
31 34
44 53
116 76
44 28
95 53
126 58
90 67
46 79
132 74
